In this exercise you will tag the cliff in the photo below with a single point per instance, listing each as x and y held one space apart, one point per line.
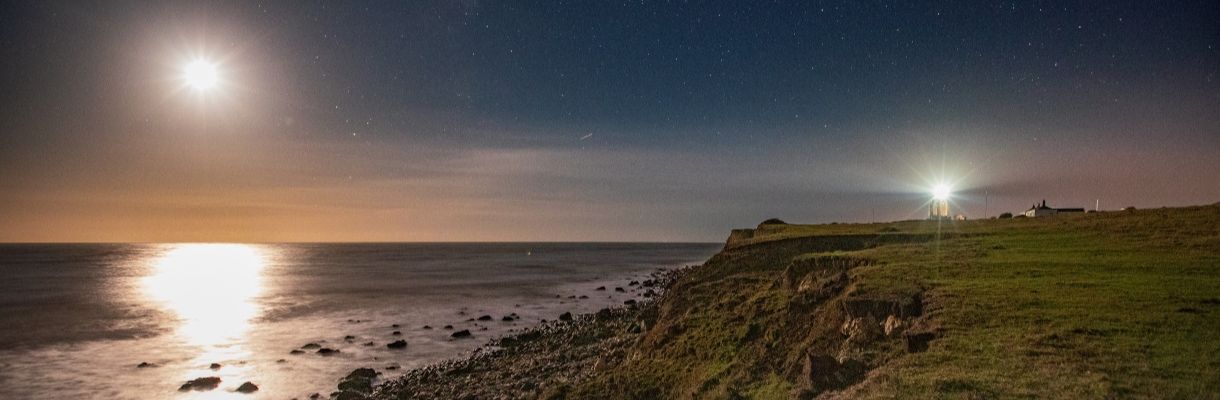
1102 305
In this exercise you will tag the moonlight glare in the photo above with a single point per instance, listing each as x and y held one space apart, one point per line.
201 75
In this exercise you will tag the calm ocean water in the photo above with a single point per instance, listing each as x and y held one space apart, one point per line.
76 320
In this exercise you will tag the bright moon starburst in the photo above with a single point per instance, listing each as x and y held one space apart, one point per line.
200 75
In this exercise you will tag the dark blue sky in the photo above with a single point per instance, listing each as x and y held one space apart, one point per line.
470 120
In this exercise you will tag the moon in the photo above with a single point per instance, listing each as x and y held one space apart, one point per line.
201 74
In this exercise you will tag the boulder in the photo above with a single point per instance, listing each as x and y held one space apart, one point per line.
396 333
206 383
248 387
485 318
311 346
427 327
464 333
397 344
600 288
349 338
326 351
214 366
567 316
145 365
620 290
359 381
295 351
448 327
369 344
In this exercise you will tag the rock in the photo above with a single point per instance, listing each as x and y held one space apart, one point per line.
247 387
460 334
485 318
207 383
366 344
449 327
294 351
567 316
649 283
326 351
583 297
630 302
633 283
349 338
315 396
349 396
507 318
214 366
397 344
396 333
281 361
428 327
359 381
391 367
861 330
604 314
892 326
600 288
145 365
311 346
620 290
394 326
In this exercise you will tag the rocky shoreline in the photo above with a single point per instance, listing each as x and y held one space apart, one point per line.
538 362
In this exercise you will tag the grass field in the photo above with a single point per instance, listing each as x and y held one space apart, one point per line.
1099 305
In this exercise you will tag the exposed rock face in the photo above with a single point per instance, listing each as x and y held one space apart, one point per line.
893 326
880 308
247 387
861 330
206 383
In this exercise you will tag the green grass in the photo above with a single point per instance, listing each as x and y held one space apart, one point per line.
1105 305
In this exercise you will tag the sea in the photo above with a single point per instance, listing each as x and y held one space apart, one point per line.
78 320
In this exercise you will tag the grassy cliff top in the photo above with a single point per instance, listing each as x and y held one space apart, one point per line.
1098 305
1086 306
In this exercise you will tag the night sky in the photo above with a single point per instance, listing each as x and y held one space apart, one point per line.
591 120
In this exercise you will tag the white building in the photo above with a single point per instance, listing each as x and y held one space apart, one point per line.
1041 210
